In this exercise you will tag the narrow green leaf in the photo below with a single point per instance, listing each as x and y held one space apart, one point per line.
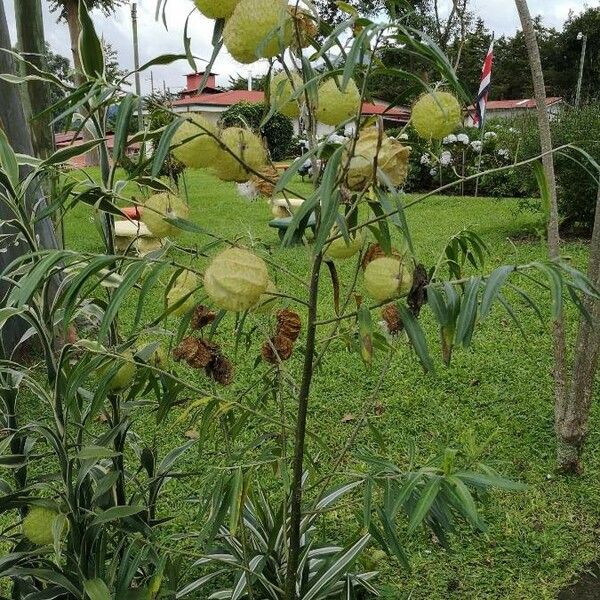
365 331
426 500
8 160
237 497
164 146
96 589
126 108
416 336
91 52
326 578
468 312
116 512
391 536
493 285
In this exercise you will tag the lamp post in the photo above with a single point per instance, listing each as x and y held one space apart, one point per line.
581 36
136 64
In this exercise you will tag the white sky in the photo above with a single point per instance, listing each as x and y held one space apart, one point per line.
499 15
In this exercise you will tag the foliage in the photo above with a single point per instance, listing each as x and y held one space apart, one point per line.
239 82
60 67
458 157
106 6
278 131
84 458
160 116
560 53
577 180
255 551
114 73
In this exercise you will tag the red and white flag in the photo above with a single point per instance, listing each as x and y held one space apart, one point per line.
484 88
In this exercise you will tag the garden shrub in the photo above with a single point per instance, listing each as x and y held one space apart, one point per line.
514 140
458 155
577 186
278 131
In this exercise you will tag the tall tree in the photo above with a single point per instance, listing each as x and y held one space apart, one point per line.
573 392
68 11
588 23
59 66
14 125
31 43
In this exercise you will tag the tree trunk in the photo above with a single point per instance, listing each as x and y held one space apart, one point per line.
14 124
72 16
31 43
572 421
573 395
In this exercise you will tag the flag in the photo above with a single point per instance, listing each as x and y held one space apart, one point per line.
484 88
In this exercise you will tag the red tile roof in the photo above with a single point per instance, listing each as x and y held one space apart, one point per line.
223 98
235 96
381 108
528 103
66 138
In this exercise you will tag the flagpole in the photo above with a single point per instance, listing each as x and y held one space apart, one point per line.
483 124
483 112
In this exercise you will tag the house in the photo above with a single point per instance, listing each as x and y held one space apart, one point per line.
507 109
72 138
212 102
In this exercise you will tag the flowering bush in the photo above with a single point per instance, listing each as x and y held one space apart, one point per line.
464 154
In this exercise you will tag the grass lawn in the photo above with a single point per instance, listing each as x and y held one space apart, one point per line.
498 393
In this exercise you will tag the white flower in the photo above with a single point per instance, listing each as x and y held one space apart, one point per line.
449 139
247 190
463 138
433 172
446 159
425 160
476 145
513 130
334 138
403 136
503 153
490 135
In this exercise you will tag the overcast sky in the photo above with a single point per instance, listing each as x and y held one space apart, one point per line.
499 15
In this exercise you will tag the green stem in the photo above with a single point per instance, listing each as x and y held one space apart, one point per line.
298 460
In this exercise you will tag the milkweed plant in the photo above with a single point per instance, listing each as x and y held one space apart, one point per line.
82 487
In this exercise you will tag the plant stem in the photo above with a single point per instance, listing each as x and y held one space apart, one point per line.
298 460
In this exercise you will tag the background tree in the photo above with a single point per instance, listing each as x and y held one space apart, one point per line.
239 82
31 43
573 392
59 66
111 59
588 22
68 11
14 126
278 131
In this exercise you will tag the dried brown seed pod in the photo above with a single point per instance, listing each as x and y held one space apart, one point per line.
202 316
417 296
187 349
392 318
220 369
195 352
306 27
265 184
278 348
288 324
205 353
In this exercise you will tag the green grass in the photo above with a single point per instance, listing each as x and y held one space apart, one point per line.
499 392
